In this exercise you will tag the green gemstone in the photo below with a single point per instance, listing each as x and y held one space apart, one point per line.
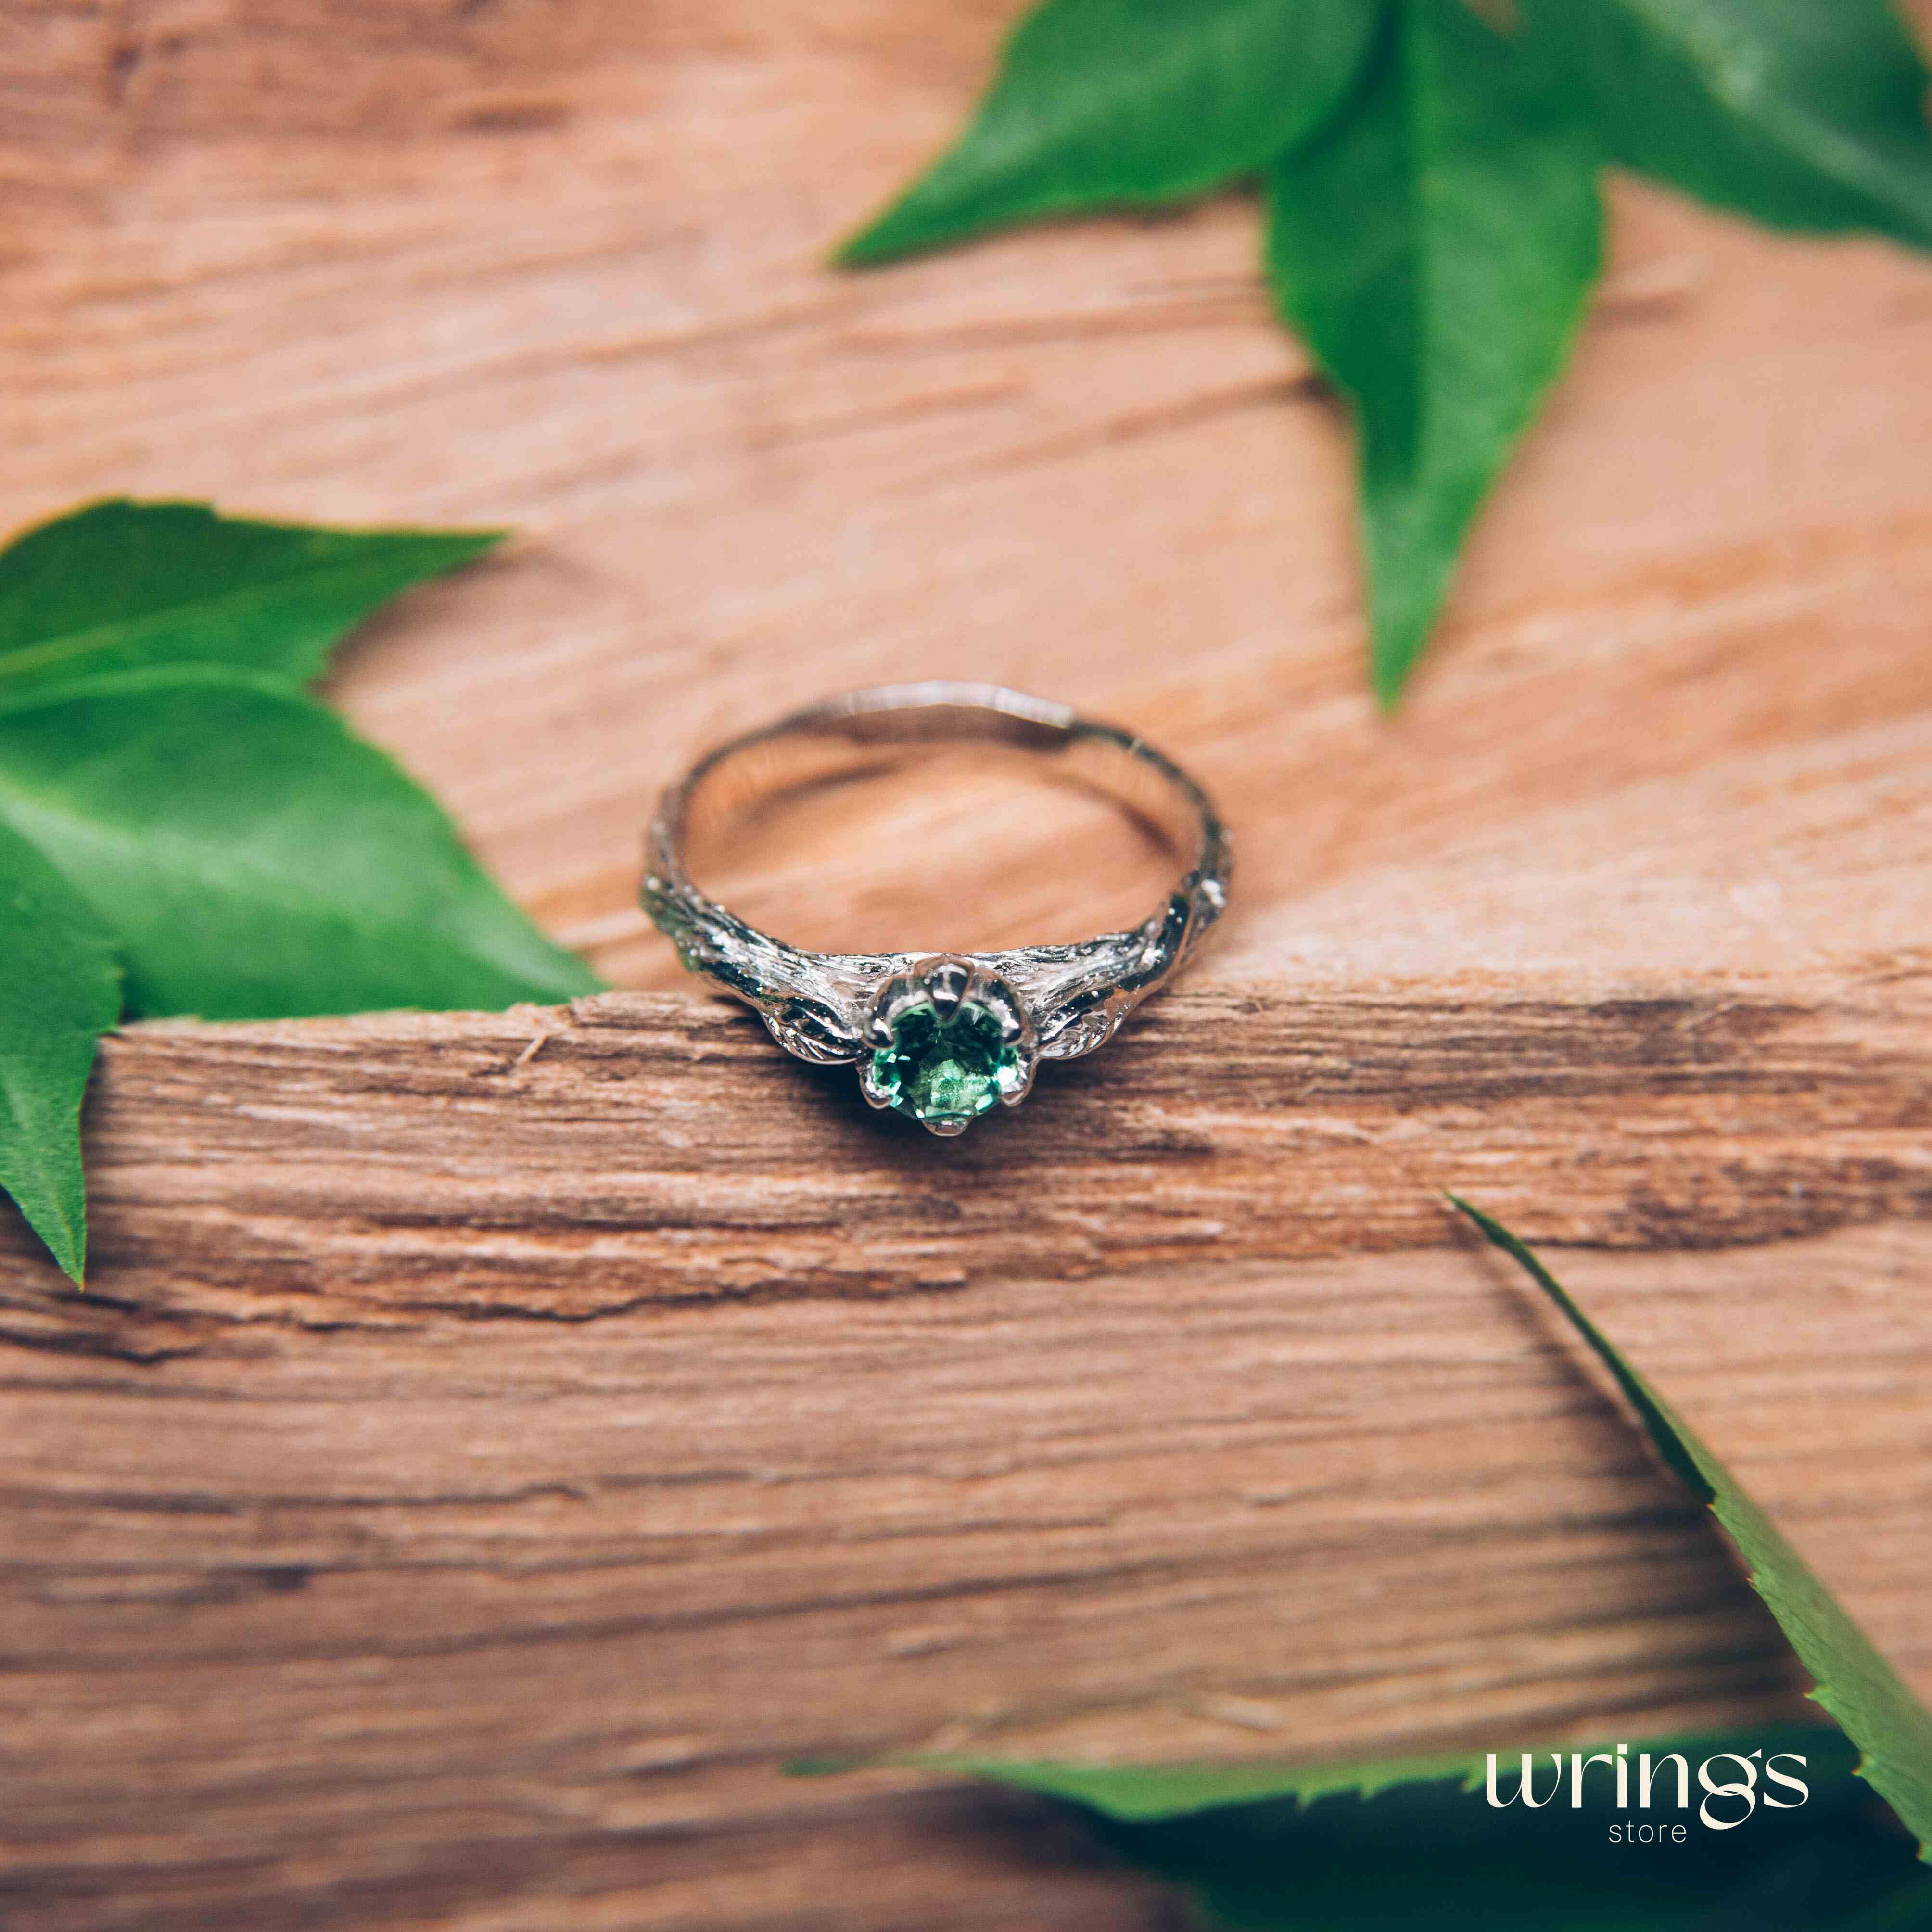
946 1070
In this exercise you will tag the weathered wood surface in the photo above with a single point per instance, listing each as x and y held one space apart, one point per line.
649 1150
469 1479
476 1468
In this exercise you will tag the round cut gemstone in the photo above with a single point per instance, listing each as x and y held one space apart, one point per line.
946 1070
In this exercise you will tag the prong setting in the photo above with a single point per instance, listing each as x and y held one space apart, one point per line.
950 1041
877 1094
945 980
1000 1000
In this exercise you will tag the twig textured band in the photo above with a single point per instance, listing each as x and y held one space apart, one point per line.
941 1037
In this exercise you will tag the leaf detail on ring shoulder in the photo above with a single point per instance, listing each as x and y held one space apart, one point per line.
1078 1033
814 1032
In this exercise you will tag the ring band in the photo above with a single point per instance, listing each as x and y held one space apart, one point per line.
942 1037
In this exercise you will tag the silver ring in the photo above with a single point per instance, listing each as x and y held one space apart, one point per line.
942 1037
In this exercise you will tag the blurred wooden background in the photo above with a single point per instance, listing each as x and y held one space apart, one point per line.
474 1471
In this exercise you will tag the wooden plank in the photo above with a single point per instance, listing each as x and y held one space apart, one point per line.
574 1440
473 1473
657 1151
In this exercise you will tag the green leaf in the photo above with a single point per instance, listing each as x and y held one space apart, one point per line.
254 859
1106 103
1436 249
1433 1855
1341 1845
1807 114
119 586
60 990
1854 1682
1134 1793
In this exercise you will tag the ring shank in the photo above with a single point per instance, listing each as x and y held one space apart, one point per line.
1079 994
866 730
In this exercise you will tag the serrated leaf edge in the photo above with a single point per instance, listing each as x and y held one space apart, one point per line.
1688 1458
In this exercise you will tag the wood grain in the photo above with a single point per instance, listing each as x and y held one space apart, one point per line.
570 1435
651 1150
492 1444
